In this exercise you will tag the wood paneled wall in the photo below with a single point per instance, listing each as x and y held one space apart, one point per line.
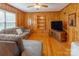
20 15
77 23
71 30
50 16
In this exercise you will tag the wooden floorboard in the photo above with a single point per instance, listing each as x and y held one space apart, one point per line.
51 46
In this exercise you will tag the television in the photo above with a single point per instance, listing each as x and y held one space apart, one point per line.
57 25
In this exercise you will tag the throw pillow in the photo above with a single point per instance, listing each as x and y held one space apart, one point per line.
19 31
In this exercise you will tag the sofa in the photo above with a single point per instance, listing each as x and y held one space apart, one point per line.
11 36
25 32
13 44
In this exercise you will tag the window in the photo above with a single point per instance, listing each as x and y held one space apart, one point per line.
29 22
7 19
2 19
10 20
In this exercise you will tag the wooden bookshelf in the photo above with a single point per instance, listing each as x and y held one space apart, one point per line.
41 23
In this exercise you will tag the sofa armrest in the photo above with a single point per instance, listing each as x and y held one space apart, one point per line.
24 34
27 30
9 47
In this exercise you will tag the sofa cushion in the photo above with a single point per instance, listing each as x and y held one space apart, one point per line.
9 31
9 37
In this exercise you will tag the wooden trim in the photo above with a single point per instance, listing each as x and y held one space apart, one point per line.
45 12
38 12
14 7
65 7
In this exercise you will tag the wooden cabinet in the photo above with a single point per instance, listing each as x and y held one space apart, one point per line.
59 35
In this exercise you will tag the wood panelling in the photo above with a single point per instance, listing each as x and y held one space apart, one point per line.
77 23
50 16
72 32
20 15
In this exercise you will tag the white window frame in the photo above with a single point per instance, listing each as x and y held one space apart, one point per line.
5 26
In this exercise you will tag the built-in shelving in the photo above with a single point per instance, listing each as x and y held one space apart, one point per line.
41 22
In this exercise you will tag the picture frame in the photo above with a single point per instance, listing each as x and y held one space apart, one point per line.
72 19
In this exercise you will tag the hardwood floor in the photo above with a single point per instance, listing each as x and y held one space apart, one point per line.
51 47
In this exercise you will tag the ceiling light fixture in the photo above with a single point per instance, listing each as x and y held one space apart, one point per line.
38 6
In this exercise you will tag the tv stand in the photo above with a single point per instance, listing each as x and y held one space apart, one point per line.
59 35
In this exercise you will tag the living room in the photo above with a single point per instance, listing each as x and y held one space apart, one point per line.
37 22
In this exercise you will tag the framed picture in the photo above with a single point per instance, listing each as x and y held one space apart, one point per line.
72 19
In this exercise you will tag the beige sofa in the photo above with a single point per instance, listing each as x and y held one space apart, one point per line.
12 44
25 32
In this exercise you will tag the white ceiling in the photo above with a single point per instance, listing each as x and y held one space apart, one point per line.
51 7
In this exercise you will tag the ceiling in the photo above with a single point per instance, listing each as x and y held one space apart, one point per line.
51 7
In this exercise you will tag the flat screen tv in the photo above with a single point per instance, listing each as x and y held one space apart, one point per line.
57 25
